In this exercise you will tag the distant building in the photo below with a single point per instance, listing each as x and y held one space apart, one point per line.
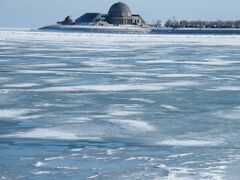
118 14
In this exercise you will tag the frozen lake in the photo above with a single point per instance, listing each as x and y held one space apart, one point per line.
101 106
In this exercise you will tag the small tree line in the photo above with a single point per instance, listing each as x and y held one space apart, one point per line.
202 24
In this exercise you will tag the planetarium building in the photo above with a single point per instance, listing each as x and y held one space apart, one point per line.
119 19
118 14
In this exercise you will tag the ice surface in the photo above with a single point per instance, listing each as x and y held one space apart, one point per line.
114 106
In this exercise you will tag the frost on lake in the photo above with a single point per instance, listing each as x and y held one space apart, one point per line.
104 106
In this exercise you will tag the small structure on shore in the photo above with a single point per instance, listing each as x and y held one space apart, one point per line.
67 21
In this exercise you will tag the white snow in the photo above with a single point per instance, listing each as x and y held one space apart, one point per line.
169 107
106 88
14 113
20 85
39 164
134 125
47 133
190 142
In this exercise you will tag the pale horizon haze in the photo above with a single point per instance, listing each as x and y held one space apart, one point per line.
38 13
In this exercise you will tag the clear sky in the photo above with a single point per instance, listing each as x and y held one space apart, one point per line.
37 13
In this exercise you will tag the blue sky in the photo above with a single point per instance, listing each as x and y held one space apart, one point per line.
37 13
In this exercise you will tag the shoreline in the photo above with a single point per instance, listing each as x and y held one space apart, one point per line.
130 30
140 30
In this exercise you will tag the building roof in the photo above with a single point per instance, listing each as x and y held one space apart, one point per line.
140 17
119 10
89 17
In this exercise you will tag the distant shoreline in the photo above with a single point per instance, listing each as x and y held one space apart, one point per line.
220 31
140 30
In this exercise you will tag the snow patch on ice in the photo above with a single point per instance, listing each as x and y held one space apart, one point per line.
105 64
57 80
210 62
233 114
179 75
49 65
169 107
180 155
79 120
190 142
142 100
39 164
47 133
106 88
156 61
4 79
42 173
122 113
54 158
120 87
15 113
134 125
20 85
225 88
180 83
39 72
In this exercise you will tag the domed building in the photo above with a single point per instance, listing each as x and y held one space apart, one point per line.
118 14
